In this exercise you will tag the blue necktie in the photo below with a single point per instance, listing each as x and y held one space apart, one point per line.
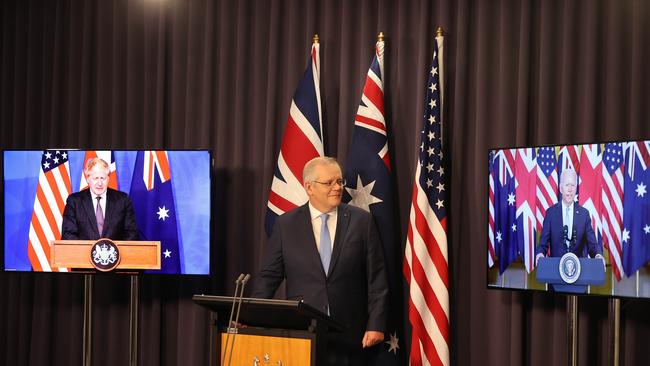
325 243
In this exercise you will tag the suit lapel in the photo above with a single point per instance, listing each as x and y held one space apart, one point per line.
110 207
88 206
342 222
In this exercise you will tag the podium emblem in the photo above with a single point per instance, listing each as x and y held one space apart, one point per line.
569 268
105 255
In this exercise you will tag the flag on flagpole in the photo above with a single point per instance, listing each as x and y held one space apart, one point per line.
370 186
492 251
591 178
155 210
53 189
302 141
107 156
526 197
505 209
547 183
426 253
612 205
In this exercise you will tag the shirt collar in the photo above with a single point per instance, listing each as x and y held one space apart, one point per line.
314 212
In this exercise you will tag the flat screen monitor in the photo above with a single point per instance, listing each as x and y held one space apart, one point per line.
169 193
575 209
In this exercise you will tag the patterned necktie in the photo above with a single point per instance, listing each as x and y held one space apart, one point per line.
325 243
99 215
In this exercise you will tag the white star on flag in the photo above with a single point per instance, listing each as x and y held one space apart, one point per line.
511 199
393 343
514 227
162 213
498 237
167 253
640 190
646 229
626 235
362 196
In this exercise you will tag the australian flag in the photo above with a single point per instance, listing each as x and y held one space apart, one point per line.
505 209
153 202
636 211
369 186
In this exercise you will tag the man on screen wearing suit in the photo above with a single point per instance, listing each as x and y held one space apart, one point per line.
98 212
567 225
330 255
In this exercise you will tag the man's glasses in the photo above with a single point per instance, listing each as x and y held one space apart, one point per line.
342 182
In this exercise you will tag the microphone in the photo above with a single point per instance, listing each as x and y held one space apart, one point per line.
238 282
239 302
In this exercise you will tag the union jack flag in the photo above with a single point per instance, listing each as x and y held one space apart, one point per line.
547 183
53 189
526 187
302 141
591 177
426 253
612 204
370 187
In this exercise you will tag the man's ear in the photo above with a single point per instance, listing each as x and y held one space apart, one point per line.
308 188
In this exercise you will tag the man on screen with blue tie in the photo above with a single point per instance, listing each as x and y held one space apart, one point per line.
98 212
331 257
567 225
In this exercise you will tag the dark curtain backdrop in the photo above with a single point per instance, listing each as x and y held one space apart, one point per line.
179 74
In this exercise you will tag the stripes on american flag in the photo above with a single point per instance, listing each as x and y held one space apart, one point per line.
612 204
109 157
492 253
302 141
547 183
426 252
53 189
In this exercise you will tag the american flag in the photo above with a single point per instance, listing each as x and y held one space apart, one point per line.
526 197
370 186
302 141
426 254
107 156
492 251
612 204
547 183
52 191
636 203
591 178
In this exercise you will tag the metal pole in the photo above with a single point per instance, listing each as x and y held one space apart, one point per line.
134 302
572 329
88 319
614 331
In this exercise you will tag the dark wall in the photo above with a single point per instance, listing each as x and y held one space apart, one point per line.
220 75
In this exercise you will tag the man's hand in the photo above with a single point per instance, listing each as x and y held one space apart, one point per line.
603 258
537 257
371 338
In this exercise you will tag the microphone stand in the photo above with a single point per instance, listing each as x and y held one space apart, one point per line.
239 302
238 281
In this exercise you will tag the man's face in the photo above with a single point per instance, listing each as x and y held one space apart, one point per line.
568 188
324 193
97 179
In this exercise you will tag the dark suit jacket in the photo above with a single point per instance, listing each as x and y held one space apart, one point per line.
79 217
553 233
356 288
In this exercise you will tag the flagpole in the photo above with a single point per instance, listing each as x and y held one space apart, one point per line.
572 329
134 303
88 319
614 330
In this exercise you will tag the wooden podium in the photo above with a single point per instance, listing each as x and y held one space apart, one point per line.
76 254
277 332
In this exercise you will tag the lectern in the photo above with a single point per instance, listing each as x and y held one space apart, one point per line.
276 332
75 254
570 273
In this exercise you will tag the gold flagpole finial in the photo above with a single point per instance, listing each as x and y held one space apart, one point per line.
440 32
380 37
316 38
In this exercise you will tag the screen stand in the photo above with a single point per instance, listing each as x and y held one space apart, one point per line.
614 331
134 302
88 319
572 328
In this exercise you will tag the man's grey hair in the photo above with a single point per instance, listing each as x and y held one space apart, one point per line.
308 171
563 176
92 162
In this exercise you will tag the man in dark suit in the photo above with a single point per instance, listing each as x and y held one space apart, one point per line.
330 256
567 225
98 212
